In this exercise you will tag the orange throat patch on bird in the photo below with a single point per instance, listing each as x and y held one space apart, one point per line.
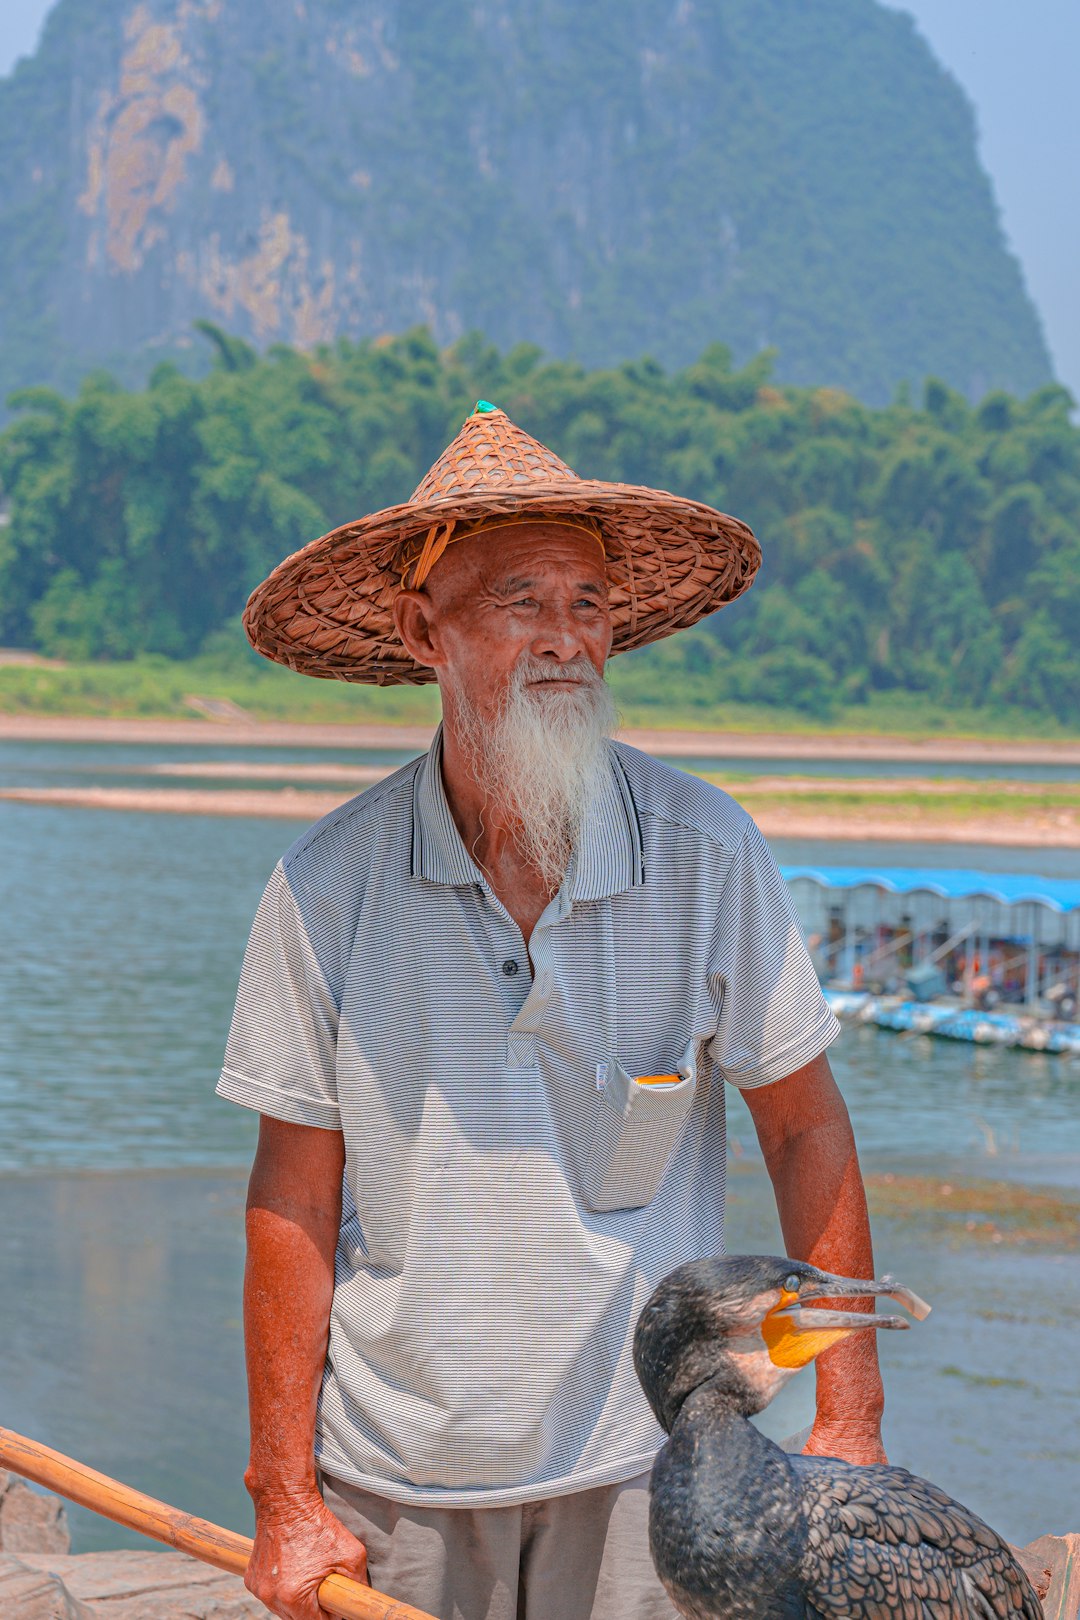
792 1345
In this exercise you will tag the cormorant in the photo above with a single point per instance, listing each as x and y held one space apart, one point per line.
739 1529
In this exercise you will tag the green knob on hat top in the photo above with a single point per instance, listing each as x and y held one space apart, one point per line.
482 406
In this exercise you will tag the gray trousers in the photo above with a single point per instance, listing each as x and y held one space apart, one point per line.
584 1556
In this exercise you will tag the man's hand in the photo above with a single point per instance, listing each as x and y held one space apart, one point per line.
298 1543
853 1442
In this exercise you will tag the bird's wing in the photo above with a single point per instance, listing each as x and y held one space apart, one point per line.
883 1542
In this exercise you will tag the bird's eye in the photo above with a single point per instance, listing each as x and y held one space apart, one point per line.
791 1284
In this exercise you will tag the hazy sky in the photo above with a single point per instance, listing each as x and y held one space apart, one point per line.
1019 61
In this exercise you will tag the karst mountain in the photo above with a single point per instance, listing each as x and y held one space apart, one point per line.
603 178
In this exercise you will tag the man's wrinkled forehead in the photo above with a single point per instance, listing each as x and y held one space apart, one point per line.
506 560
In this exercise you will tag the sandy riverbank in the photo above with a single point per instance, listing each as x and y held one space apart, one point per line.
1035 829
684 744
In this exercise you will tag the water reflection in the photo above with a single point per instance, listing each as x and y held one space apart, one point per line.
122 945
124 1346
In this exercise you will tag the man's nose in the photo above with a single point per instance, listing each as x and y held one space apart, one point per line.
558 635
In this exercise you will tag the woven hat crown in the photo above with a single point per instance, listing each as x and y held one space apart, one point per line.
490 452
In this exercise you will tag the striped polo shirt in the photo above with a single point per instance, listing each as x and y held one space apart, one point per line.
512 1193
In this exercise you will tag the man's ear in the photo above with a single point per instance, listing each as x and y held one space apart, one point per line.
413 618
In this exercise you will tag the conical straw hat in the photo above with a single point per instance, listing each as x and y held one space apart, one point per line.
327 610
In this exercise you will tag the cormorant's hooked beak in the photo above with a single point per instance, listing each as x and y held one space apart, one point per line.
794 1334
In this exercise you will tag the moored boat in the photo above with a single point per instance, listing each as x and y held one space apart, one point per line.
986 957
953 1021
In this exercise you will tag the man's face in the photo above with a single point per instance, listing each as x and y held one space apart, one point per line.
535 593
516 624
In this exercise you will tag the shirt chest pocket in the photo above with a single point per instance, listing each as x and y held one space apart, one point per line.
634 1132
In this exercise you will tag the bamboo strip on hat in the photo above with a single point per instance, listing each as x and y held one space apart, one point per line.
415 566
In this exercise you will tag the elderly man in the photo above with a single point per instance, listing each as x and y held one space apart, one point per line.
487 1013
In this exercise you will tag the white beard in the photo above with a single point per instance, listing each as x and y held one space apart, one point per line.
542 756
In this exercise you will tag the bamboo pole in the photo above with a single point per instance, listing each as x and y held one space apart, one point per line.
225 1549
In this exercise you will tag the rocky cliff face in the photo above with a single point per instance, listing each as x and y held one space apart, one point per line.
601 177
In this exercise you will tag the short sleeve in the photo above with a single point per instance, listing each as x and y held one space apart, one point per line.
281 1054
771 1015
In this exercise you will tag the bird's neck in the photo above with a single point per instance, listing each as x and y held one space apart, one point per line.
721 1403
712 1418
732 1536
729 1387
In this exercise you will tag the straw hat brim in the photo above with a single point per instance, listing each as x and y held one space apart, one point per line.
327 610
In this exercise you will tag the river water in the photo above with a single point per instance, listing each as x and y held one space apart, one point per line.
121 1174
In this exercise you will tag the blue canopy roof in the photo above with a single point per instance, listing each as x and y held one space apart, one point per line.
1061 894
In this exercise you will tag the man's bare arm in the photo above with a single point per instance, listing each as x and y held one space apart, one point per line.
293 1217
806 1138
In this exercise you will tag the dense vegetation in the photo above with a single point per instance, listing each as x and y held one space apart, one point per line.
930 549
604 179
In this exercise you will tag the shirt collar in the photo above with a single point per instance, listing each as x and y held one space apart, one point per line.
437 851
609 857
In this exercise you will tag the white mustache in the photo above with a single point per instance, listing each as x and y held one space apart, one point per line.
530 672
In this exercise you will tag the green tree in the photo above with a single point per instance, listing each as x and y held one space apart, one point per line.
932 550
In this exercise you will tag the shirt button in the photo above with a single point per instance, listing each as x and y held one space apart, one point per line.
510 967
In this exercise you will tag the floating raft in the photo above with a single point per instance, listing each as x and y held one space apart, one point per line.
953 1023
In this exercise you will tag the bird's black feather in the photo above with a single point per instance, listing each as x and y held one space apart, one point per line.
882 1541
